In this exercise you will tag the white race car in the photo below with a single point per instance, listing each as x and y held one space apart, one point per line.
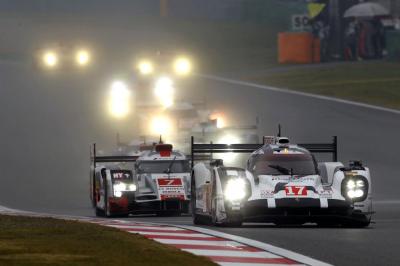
157 180
282 184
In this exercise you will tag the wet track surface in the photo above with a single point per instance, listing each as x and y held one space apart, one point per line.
48 123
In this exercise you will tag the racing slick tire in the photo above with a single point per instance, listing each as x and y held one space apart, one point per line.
99 212
357 223
107 212
196 218
228 222
326 224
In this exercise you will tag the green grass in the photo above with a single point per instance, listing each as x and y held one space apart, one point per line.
47 241
375 83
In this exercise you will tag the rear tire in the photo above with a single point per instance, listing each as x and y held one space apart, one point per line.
107 212
99 212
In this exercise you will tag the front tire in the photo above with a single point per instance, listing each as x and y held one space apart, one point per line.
99 212
357 224
229 222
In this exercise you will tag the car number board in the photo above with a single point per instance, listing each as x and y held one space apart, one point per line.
296 191
171 188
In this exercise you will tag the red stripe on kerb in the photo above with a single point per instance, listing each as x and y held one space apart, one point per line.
133 224
252 260
211 247
184 237
159 231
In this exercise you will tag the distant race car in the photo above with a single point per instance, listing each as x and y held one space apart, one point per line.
62 56
162 65
282 184
155 180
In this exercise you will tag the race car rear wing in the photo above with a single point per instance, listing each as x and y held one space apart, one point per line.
109 159
202 149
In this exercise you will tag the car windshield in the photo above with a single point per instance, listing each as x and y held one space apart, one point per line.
178 166
283 164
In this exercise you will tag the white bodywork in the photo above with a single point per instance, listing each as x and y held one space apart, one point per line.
162 185
150 181
320 192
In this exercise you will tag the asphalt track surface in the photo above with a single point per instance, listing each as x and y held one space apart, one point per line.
48 122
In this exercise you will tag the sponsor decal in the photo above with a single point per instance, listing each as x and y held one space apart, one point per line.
304 179
277 178
326 194
232 172
171 188
121 174
296 191
169 182
265 194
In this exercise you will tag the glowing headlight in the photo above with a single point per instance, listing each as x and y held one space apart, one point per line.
132 187
160 125
351 184
182 66
119 101
355 188
145 67
163 83
118 188
50 59
82 57
235 189
164 91
355 193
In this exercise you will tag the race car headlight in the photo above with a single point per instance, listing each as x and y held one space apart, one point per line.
132 187
235 189
164 91
182 66
355 188
145 67
82 57
119 101
50 59
121 187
